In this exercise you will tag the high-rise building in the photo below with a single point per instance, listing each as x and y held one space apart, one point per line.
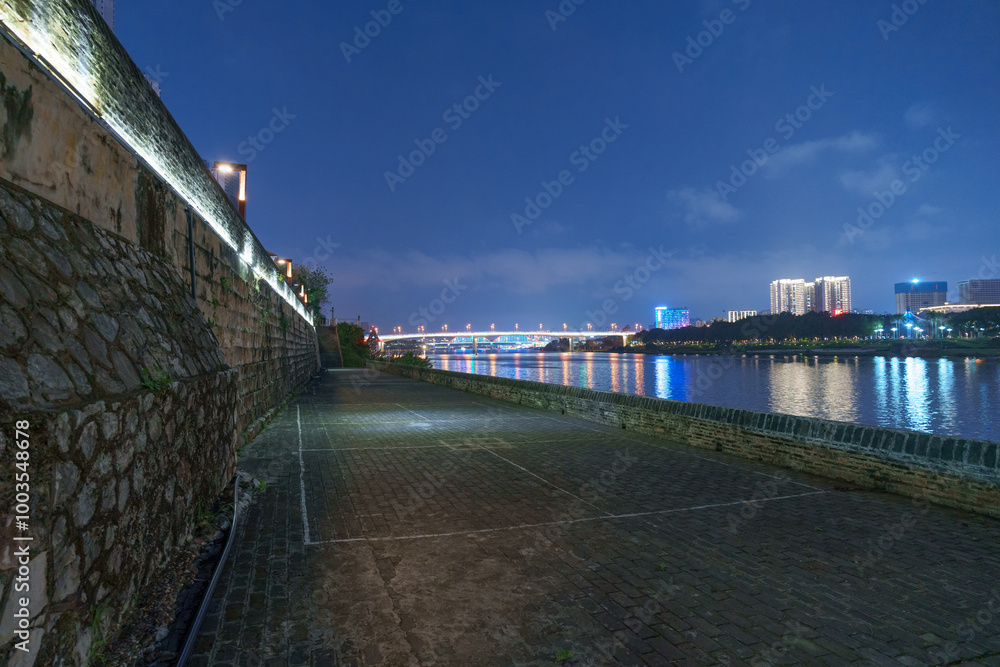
737 315
980 292
788 295
916 295
833 295
810 296
107 9
672 318
826 294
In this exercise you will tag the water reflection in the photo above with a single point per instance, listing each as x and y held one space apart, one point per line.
960 397
814 387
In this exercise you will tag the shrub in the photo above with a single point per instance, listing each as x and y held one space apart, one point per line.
411 359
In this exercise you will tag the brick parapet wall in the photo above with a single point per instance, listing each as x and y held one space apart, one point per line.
949 471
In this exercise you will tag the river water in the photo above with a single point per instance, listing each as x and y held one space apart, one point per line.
951 396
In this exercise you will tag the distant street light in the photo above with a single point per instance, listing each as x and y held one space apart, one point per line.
227 168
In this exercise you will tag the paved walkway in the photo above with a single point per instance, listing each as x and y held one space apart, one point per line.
408 524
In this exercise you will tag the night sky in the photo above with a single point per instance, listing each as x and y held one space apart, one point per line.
616 126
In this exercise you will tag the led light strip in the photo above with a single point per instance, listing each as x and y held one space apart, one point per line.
31 35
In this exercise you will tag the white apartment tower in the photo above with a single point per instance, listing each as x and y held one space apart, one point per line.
737 315
107 10
788 295
830 294
833 294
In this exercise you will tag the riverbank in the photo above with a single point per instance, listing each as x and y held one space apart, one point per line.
982 348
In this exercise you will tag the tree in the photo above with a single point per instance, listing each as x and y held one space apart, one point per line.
316 282
353 348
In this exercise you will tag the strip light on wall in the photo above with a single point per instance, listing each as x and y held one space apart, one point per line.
69 40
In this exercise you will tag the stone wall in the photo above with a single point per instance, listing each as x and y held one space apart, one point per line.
133 420
138 393
109 151
949 471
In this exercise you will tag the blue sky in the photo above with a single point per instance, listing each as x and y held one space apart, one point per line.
645 222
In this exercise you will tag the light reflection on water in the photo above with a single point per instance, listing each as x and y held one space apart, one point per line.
952 396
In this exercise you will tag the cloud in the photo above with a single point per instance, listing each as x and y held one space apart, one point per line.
511 270
919 115
704 207
867 182
927 209
808 152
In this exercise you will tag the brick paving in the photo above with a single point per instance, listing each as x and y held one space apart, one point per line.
408 524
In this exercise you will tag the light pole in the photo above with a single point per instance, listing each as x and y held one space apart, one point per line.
223 170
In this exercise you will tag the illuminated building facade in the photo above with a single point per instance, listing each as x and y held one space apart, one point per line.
827 294
916 295
672 318
833 295
788 295
737 315
979 291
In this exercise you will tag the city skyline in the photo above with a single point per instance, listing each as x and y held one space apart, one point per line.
542 184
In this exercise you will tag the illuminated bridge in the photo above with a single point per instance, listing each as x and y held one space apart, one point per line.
472 340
